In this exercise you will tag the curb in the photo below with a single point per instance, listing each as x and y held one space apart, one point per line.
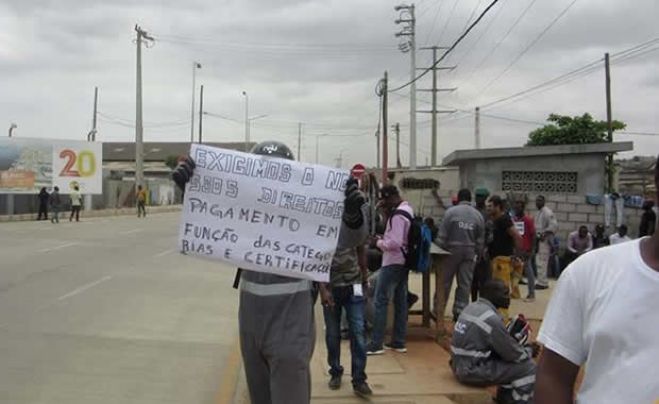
95 213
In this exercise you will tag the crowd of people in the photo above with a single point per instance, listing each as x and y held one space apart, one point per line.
493 246
54 202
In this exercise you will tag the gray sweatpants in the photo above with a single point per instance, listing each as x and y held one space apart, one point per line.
277 337
460 264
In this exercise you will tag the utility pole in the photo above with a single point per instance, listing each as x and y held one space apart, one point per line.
195 66
139 147
91 137
377 140
396 129
407 18
246 121
299 141
477 127
385 144
609 120
92 134
434 111
201 111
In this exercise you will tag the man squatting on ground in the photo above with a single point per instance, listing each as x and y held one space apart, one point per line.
462 233
604 315
275 316
484 353
347 291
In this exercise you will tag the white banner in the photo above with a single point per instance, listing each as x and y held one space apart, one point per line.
262 213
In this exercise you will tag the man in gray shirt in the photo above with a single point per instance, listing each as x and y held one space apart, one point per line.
462 233
546 226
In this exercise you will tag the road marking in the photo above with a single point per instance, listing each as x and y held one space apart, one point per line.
58 247
83 288
162 254
229 381
130 231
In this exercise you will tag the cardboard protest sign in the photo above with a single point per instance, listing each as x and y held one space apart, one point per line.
262 213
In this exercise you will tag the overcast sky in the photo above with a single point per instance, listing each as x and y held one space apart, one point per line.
318 62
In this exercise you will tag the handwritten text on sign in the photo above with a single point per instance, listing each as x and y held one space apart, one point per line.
262 213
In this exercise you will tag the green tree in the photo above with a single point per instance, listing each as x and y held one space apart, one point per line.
171 162
572 130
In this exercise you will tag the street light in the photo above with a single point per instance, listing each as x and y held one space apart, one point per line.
11 128
246 121
195 66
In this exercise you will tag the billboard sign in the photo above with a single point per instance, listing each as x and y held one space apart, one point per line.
27 165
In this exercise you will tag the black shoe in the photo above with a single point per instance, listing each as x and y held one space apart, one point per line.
374 350
335 382
411 299
541 287
362 390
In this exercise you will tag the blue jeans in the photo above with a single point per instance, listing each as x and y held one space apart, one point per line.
391 280
354 307
530 275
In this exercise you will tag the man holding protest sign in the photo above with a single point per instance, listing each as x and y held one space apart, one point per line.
284 236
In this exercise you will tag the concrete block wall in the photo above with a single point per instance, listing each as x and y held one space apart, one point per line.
571 211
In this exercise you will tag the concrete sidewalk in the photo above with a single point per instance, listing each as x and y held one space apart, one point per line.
420 376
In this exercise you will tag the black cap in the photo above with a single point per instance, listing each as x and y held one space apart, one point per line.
274 149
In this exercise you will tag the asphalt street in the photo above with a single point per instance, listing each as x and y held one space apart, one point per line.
107 311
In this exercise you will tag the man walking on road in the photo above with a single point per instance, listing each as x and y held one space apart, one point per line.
546 226
461 233
55 205
603 316
392 277
76 203
141 201
43 204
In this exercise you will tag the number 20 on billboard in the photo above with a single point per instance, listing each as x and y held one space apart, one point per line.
81 164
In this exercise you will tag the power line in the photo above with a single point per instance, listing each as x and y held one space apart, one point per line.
487 28
448 51
496 46
528 47
629 53
637 133
448 21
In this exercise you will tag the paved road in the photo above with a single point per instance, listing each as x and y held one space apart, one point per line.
106 311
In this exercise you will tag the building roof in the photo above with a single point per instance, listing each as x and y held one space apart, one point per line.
157 151
460 156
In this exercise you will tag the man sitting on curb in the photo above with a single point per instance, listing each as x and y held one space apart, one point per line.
485 353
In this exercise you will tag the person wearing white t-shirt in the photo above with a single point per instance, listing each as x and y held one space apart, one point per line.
604 315
619 237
